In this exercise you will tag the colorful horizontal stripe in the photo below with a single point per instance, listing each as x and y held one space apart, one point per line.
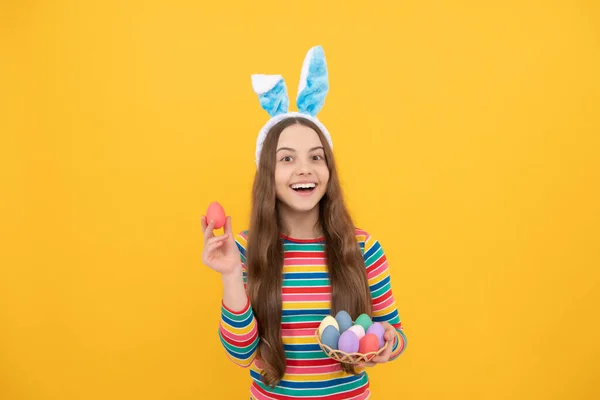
306 300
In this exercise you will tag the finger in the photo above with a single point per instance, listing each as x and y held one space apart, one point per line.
228 228
382 358
203 223
210 249
209 231
385 356
216 239
364 365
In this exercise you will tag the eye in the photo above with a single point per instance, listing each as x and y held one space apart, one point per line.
286 159
317 157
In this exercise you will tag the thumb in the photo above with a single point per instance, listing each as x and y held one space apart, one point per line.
228 226
390 335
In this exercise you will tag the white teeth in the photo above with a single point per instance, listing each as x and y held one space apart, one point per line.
303 186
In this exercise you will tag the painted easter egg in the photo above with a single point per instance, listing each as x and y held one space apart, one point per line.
330 337
364 320
368 344
344 321
348 342
327 321
216 213
378 330
358 330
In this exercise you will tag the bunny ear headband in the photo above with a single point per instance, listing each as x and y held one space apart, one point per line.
273 96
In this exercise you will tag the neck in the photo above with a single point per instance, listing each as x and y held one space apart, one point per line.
300 224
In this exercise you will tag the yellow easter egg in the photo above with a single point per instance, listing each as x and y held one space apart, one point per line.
327 321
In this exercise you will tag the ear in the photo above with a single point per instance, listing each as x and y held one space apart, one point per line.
272 93
314 82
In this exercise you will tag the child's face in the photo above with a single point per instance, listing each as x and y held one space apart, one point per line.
300 160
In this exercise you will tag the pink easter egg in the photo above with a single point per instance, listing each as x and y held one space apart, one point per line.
368 344
216 212
358 330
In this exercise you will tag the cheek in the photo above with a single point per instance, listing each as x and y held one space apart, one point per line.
324 176
280 178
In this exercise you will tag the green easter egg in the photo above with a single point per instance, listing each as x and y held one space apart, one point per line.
364 321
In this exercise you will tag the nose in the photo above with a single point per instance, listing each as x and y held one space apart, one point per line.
303 168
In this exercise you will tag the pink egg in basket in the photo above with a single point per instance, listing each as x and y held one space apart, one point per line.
358 330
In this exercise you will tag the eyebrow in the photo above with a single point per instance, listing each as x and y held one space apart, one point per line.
292 150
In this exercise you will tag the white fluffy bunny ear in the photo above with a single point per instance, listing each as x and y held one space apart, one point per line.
314 82
272 93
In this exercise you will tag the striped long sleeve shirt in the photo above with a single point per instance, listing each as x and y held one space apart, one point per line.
306 300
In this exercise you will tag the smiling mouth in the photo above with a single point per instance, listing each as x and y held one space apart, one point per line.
303 188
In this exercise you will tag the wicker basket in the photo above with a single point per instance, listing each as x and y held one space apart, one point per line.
349 358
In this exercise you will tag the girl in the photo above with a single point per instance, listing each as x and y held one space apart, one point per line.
301 259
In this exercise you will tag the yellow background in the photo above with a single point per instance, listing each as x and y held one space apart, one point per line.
468 140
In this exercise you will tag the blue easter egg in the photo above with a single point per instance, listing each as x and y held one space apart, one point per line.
330 337
344 321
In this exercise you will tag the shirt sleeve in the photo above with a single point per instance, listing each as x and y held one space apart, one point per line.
238 330
384 305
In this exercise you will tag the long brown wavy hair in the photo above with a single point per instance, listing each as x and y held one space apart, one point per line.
346 267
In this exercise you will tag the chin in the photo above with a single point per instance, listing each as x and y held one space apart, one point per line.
300 206
304 208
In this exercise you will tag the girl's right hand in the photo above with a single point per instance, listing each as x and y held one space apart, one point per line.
220 252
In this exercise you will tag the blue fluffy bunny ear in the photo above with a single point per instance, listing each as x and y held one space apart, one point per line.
314 82
272 93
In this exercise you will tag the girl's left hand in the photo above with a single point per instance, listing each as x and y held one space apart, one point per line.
389 336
